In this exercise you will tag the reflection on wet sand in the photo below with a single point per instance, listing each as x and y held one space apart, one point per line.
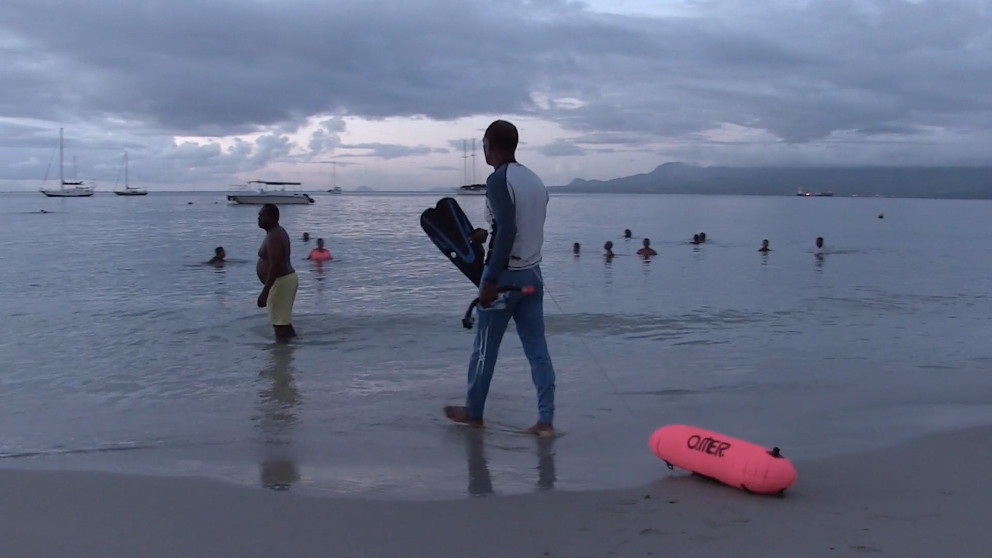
480 482
278 399
318 270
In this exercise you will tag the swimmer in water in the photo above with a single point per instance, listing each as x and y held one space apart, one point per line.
608 247
320 253
575 249
764 247
219 256
819 245
306 237
695 239
276 273
702 237
646 250
627 234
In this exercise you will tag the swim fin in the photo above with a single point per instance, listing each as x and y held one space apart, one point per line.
449 229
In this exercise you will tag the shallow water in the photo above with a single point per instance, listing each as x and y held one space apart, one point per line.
120 351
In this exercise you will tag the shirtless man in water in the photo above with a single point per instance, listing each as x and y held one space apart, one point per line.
276 273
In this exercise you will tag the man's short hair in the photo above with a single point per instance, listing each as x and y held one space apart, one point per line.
502 136
271 209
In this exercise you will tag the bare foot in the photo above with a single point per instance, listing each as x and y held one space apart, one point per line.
542 430
459 414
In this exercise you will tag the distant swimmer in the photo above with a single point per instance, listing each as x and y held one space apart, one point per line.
575 249
608 248
320 253
702 237
627 234
695 239
276 273
646 250
764 246
819 245
306 237
219 256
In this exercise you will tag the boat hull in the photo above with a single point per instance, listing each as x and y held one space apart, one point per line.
278 199
119 193
81 193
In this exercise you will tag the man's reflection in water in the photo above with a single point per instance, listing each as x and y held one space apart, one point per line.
277 400
479 480
318 269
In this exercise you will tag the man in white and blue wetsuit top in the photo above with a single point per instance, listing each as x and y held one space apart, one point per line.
517 201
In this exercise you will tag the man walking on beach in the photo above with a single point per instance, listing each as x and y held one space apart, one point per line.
276 273
517 200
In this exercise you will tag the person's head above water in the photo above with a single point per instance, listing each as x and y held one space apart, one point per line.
608 245
306 236
575 248
764 245
627 234
268 216
819 242
646 242
219 253
320 244
499 143
702 237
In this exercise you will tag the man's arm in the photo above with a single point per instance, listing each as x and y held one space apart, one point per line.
504 214
277 255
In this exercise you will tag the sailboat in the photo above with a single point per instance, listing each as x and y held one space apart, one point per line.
335 189
475 188
128 191
76 190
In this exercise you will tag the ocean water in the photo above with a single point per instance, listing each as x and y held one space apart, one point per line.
121 351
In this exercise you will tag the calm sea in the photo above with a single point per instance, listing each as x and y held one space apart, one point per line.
121 351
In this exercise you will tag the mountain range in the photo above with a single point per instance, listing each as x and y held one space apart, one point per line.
899 182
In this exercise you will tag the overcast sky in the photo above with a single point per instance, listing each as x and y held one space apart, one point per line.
205 94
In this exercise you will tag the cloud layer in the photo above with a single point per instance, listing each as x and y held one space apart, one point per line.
793 80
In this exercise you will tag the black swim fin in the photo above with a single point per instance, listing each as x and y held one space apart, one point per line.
449 229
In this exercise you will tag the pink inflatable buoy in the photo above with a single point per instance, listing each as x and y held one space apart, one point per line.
731 461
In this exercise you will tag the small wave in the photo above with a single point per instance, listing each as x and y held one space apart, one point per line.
67 451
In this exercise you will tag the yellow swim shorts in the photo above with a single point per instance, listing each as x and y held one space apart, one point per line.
281 298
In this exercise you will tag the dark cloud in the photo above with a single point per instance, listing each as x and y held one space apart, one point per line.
560 148
805 72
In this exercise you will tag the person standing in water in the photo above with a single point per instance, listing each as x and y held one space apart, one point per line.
320 253
646 250
517 200
764 247
608 250
219 256
276 274
575 249
819 245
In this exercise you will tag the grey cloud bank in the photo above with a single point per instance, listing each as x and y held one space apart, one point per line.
830 81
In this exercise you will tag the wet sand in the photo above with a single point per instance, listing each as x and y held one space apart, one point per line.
929 497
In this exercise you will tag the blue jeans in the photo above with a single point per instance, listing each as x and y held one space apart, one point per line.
527 312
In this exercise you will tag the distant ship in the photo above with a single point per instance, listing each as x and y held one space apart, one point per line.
802 192
467 188
470 189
